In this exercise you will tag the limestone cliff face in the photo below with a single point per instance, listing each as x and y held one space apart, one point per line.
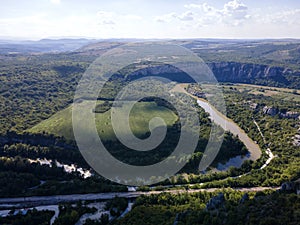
242 72
255 74
231 72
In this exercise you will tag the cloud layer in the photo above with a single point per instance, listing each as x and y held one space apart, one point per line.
233 13
160 19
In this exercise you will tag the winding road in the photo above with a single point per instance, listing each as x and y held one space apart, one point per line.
56 199
268 151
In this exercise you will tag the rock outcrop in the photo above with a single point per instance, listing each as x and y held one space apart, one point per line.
235 72
270 110
245 72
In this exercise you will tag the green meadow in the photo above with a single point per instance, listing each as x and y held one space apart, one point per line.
60 124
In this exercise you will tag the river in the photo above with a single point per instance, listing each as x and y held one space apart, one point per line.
72 168
228 125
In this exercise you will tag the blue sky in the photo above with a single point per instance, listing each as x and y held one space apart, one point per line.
36 19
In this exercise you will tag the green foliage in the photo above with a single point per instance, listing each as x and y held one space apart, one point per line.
69 214
16 183
35 87
104 220
116 206
61 123
280 53
261 208
148 215
33 217
19 177
103 107
278 133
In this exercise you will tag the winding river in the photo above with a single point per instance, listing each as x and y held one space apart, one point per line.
228 125
217 117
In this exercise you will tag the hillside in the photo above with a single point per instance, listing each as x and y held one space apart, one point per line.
263 62
60 124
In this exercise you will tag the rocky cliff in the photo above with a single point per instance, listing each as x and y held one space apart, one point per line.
228 72
255 74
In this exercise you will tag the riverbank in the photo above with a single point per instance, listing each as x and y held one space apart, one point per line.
228 125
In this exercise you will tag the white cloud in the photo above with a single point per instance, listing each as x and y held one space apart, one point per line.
204 6
102 24
165 18
106 18
235 5
232 19
112 18
233 13
186 16
289 17
24 19
56 2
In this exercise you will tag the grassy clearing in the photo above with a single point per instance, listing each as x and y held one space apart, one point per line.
61 123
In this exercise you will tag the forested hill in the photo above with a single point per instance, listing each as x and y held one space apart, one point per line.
42 46
44 83
265 62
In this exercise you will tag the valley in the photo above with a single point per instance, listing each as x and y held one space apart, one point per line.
258 154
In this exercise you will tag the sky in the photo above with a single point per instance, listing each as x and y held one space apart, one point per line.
253 19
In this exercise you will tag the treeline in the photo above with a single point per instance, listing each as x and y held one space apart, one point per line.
205 208
32 217
42 145
20 177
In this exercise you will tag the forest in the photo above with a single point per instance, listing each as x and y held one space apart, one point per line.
38 88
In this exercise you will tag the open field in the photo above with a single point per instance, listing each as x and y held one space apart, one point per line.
61 123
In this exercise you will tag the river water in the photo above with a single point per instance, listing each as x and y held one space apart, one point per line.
85 173
218 118
228 125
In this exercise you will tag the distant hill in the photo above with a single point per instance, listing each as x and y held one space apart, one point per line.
262 62
43 46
